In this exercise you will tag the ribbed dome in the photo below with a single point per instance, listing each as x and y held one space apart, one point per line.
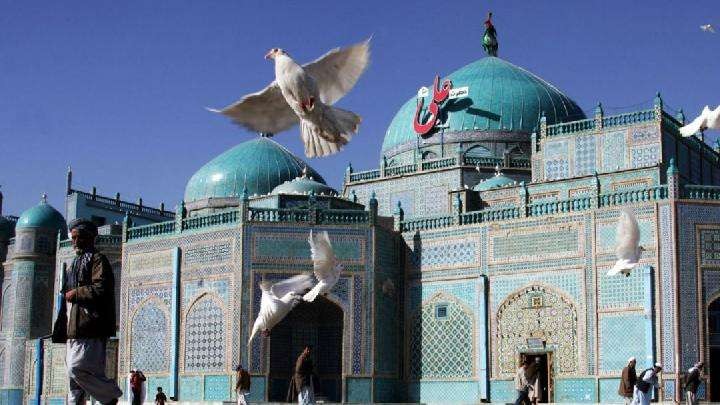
497 181
42 215
260 165
502 98
304 185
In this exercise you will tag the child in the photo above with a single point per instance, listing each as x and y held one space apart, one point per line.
160 397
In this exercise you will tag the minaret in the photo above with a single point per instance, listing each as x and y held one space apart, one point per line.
27 296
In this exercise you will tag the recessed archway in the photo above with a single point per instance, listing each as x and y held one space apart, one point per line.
713 371
319 324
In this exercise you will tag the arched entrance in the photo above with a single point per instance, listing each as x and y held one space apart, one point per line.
319 324
713 314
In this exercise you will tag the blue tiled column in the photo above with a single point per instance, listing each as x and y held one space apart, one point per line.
649 313
175 313
482 337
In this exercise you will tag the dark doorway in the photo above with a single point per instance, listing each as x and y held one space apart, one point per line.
713 314
540 370
319 324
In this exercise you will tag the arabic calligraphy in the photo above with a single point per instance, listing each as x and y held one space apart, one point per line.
440 94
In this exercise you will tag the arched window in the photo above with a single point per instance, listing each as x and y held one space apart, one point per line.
149 339
5 310
205 336
427 155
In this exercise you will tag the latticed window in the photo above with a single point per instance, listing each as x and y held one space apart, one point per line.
441 347
148 347
205 336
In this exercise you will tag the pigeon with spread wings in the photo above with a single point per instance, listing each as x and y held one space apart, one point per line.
628 249
326 266
277 301
708 119
305 94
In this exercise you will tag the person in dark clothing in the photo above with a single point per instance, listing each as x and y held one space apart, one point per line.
160 397
692 382
137 385
242 385
627 381
86 318
302 384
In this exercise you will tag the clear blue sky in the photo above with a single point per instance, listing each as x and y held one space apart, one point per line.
117 89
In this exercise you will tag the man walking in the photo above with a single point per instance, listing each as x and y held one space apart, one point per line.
627 381
646 382
692 382
242 385
522 385
137 387
87 318
302 383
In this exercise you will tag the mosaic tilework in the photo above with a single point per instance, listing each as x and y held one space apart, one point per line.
645 157
359 390
463 291
613 151
609 390
8 301
526 246
431 354
144 263
567 281
388 390
644 135
217 388
2 365
575 390
621 292
669 386
434 203
357 348
210 253
556 169
257 389
56 401
288 248
192 288
711 285
191 388
585 155
444 392
555 321
448 253
150 339
138 294
622 336
607 232
502 391
205 336
668 292
154 381
555 149
710 247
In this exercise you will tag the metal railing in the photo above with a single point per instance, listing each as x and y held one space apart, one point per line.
124 205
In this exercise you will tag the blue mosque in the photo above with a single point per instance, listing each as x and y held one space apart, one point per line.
484 235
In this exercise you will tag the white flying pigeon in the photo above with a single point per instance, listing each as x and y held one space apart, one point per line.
277 301
708 119
306 94
708 28
326 266
628 249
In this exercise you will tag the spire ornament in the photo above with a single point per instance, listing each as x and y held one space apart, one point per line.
489 42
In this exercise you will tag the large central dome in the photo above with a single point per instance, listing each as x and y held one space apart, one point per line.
259 165
501 97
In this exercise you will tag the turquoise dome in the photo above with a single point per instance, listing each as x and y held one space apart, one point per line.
42 215
304 185
260 165
501 97
497 181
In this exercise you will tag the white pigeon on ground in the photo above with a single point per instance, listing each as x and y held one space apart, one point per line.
325 265
627 249
277 301
708 119
306 94
708 28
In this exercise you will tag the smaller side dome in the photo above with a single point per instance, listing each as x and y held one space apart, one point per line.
497 181
304 185
42 215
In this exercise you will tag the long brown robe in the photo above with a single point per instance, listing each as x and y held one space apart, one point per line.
627 382
303 376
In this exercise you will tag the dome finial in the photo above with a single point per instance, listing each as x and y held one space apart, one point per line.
43 199
266 134
497 170
489 41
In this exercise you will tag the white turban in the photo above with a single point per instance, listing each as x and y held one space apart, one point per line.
631 359
658 365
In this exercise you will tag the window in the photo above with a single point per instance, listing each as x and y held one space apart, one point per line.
42 245
441 311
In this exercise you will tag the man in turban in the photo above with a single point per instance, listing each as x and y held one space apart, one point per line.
87 318
627 381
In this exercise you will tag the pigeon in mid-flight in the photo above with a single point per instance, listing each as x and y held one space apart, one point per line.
305 94
708 28
277 301
326 266
628 249
708 119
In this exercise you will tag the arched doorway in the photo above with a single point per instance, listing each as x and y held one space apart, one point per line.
319 324
713 314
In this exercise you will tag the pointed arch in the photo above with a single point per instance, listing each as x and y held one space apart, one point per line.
205 335
149 339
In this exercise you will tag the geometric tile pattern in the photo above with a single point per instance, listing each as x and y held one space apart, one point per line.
150 334
556 169
565 281
554 321
217 388
645 157
537 244
191 388
193 287
609 390
210 253
710 247
446 392
503 391
623 336
555 149
450 253
666 287
359 390
205 336
584 155
431 354
613 151
575 390
644 135
621 292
